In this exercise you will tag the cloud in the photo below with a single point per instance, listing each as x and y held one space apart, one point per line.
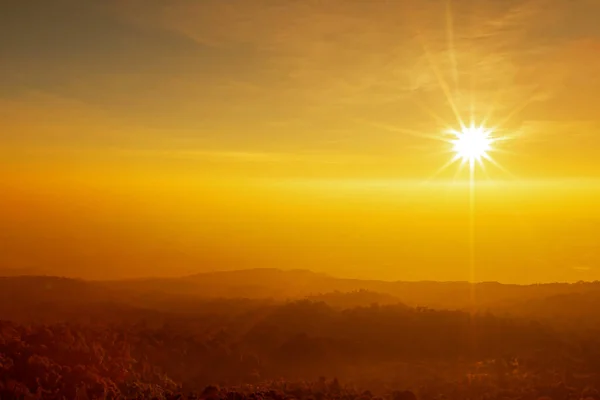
249 157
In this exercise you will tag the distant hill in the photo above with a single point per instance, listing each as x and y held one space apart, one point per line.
581 308
252 283
280 285
358 298
33 298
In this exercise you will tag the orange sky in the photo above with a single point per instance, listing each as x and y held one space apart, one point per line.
148 137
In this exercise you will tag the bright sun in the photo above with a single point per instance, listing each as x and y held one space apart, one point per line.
472 143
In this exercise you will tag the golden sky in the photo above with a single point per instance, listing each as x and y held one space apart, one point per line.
145 137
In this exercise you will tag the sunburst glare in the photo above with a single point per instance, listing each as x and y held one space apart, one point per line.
472 143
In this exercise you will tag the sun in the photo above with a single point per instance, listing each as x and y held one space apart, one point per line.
472 143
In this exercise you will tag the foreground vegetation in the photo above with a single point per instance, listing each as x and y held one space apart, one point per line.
368 345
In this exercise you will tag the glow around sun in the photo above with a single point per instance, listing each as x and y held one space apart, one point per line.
472 143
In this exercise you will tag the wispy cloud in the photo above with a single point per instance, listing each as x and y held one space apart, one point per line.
252 157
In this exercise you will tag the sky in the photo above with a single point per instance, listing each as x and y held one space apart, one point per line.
151 137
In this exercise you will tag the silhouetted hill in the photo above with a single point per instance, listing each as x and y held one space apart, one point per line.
253 283
295 284
48 299
52 289
357 298
581 308
191 293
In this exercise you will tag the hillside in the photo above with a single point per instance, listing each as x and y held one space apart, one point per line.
279 285
295 284
159 337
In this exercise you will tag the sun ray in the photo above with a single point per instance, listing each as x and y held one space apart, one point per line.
502 151
471 97
460 168
443 167
410 132
450 37
520 107
429 111
497 165
482 167
472 229
494 102
441 81
506 136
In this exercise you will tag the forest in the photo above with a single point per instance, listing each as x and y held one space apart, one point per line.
70 339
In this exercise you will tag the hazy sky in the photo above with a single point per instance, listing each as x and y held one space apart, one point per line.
160 137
